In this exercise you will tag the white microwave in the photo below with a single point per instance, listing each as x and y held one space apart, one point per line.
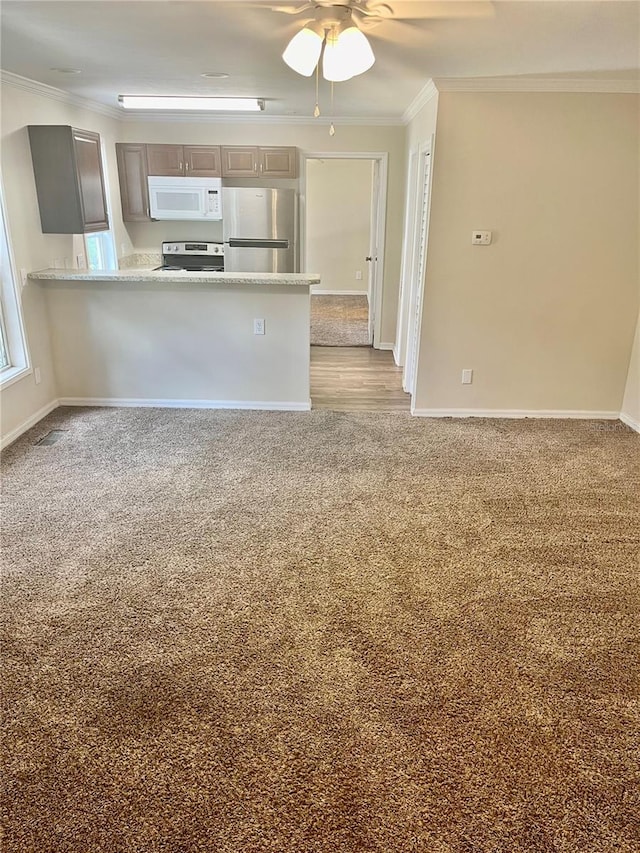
185 198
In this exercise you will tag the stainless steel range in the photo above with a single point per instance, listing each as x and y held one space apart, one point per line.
196 257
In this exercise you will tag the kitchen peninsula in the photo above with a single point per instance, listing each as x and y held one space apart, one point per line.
140 337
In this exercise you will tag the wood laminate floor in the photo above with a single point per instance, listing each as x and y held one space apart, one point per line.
356 379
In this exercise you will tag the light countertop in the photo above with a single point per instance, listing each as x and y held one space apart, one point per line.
177 277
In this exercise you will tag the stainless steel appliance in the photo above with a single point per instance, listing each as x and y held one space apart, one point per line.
259 229
197 257
185 198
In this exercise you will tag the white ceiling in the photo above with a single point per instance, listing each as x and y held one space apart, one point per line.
163 47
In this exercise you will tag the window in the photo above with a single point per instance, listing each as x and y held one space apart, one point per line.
101 251
13 353
4 355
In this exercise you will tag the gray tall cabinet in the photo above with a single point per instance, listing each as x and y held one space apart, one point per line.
67 166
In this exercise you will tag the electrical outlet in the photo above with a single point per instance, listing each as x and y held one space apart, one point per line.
358 275
467 377
23 276
80 261
258 326
481 238
37 378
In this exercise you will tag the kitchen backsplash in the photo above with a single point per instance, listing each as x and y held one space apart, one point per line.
140 259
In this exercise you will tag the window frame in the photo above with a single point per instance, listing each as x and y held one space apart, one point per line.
105 249
15 339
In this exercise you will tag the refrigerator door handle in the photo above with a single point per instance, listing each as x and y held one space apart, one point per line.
243 243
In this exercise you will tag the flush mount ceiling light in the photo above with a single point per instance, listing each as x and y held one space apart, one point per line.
347 51
175 102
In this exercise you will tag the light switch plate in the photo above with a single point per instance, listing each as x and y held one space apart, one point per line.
481 238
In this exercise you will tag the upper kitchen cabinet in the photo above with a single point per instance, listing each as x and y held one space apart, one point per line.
132 173
202 161
180 161
250 161
67 165
279 162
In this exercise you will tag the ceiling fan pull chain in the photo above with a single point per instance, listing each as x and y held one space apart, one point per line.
332 130
316 111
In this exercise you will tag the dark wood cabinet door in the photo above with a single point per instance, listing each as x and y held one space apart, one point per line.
281 162
134 189
90 180
67 167
239 161
202 161
166 160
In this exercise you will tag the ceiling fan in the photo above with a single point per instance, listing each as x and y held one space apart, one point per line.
370 13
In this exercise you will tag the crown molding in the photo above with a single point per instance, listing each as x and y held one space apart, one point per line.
427 93
256 118
51 92
537 84
118 113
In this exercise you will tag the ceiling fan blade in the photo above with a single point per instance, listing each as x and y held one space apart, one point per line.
291 10
373 9
423 9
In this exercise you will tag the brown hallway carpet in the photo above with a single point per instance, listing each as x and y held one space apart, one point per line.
230 632
339 321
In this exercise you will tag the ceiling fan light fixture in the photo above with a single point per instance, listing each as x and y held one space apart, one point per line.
303 51
347 53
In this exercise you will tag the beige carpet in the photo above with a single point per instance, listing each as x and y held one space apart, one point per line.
230 632
339 321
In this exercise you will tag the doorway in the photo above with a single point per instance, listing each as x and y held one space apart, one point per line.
343 207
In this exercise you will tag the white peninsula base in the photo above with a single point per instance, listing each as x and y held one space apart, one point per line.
178 341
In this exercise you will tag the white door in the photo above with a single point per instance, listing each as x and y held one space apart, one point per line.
418 270
408 243
372 258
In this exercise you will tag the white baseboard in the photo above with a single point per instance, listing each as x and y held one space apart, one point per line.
385 346
339 292
516 413
10 437
630 422
126 402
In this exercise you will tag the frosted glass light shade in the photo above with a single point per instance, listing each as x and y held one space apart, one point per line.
303 52
346 54
176 102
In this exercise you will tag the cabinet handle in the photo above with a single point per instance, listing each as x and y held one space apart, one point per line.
186 166
181 165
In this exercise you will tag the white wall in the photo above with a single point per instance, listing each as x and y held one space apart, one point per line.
32 249
338 222
307 137
180 342
631 399
545 316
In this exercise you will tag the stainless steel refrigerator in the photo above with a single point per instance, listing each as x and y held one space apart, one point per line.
259 229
